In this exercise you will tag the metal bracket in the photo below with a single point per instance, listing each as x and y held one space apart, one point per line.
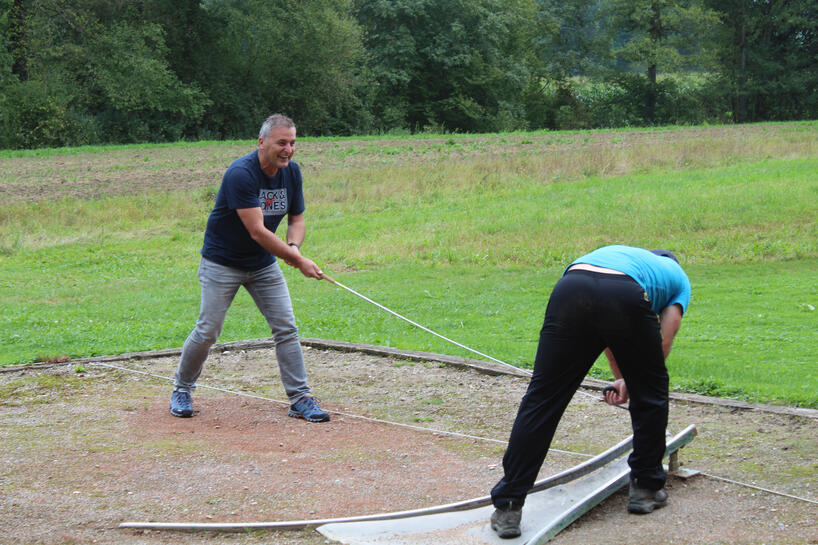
674 467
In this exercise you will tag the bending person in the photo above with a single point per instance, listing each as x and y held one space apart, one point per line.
627 302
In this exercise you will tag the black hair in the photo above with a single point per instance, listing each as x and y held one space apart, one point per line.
665 253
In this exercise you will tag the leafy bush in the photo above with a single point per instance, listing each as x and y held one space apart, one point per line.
33 117
621 101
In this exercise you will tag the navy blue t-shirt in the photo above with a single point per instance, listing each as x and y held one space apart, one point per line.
245 185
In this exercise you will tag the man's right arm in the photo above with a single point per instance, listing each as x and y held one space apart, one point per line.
619 395
253 221
670 320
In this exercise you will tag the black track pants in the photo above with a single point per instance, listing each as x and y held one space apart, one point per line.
587 312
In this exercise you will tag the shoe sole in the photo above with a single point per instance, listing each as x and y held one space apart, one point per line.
181 414
294 414
506 534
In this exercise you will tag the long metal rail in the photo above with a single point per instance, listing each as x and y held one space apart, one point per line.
545 514
612 485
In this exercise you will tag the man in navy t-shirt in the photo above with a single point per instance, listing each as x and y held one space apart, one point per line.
627 302
240 249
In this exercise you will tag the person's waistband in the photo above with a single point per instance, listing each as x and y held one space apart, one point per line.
608 277
593 268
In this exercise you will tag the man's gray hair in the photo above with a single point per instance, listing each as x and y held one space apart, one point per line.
275 120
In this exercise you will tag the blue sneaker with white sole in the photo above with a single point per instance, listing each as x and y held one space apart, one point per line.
181 404
308 409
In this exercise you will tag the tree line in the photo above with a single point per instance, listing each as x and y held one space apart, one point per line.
76 72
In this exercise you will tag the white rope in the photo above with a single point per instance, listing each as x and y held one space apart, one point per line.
426 329
758 488
392 312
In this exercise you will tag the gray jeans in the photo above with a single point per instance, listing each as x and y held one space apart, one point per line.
268 288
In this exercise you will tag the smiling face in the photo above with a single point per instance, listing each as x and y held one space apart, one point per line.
276 149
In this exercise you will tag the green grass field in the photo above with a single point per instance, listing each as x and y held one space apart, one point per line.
465 235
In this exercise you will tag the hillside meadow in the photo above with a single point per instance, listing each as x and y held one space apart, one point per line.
465 234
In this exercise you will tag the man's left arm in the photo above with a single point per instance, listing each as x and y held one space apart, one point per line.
670 320
296 229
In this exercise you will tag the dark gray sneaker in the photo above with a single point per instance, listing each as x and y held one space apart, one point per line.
506 521
180 404
643 501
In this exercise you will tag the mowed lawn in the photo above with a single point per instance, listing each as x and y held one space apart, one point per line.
463 234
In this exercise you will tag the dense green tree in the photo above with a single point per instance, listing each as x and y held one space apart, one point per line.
666 34
299 58
573 40
88 71
574 37
188 31
455 64
769 58
121 71
17 38
6 57
96 72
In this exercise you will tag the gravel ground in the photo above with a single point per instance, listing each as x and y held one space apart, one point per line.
86 447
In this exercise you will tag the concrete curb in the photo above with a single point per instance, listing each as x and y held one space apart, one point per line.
486 367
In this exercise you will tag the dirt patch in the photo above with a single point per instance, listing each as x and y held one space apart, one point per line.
84 451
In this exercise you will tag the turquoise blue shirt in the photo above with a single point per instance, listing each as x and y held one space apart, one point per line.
662 278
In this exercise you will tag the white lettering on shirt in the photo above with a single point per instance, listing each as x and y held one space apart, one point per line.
273 202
